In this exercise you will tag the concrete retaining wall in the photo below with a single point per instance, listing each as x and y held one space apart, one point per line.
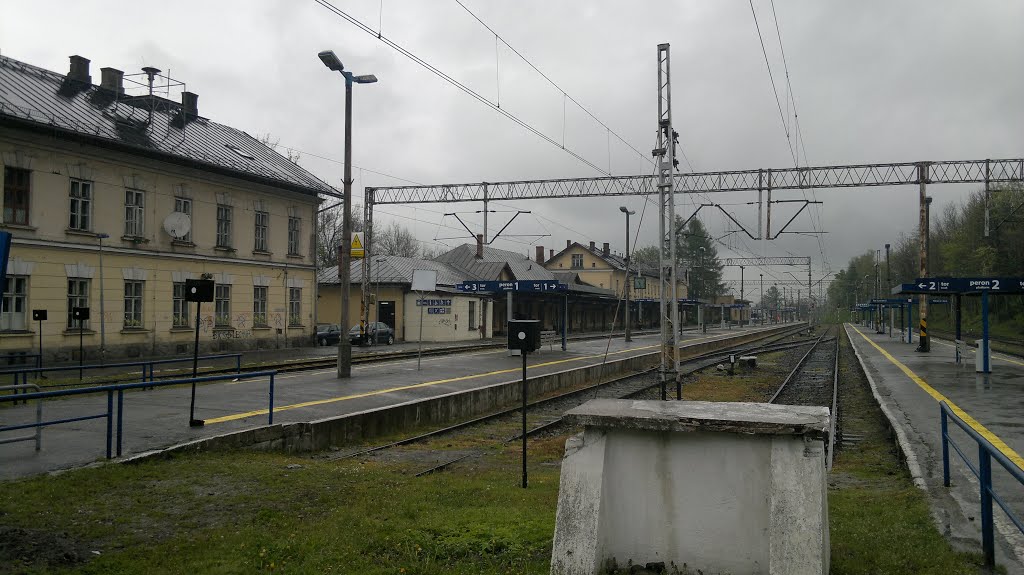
449 408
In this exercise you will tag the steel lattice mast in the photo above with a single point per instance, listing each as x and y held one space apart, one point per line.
665 159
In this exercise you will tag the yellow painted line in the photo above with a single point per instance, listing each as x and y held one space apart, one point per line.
972 350
981 429
258 412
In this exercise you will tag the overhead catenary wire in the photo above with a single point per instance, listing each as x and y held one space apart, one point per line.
437 72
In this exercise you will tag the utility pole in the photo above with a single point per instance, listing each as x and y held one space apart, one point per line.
922 178
628 213
741 294
664 155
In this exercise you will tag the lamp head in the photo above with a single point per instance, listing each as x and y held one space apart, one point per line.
365 79
625 211
331 61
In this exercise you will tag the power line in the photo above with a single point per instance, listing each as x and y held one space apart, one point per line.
771 77
437 72
553 83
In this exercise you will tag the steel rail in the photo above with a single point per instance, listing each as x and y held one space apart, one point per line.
799 366
705 360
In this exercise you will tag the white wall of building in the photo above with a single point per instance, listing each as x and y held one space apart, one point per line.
447 317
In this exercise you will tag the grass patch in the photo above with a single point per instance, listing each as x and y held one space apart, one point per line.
879 521
250 512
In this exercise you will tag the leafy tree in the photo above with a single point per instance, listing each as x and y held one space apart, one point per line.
644 258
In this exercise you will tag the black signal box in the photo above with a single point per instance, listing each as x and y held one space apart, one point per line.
39 315
199 290
524 335
80 313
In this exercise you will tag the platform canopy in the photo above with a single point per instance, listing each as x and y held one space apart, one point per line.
968 285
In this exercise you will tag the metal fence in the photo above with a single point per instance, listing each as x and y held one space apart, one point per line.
986 453
115 418
148 367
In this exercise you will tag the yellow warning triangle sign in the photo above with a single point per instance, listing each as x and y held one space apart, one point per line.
357 250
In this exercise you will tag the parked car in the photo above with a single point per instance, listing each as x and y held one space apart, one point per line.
376 332
328 334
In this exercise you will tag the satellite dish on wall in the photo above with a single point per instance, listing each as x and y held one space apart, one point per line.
178 224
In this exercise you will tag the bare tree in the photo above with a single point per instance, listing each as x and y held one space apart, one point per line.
396 240
328 232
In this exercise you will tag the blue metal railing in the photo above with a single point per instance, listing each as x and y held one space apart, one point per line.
986 453
111 415
148 371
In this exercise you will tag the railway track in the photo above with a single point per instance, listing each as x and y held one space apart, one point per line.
815 381
545 415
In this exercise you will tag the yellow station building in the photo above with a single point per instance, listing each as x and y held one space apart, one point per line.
114 200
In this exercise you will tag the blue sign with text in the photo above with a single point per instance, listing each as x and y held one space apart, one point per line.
961 285
517 286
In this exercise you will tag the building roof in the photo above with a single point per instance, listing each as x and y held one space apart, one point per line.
394 269
521 267
35 98
616 261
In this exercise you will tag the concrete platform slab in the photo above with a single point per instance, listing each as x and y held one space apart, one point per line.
159 418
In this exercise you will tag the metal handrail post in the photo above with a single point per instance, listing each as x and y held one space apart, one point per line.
270 409
110 421
39 421
238 363
945 445
120 418
985 479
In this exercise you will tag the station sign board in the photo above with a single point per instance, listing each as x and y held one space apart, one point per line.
961 285
516 286
892 301
436 306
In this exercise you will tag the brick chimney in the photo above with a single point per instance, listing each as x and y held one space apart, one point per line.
80 69
540 255
593 246
479 246
112 79
568 244
606 250
190 103
551 253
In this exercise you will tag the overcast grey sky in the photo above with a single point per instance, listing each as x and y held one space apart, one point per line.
874 81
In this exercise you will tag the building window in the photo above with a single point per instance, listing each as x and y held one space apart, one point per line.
78 296
259 305
222 305
16 196
262 221
184 205
12 317
223 226
294 306
134 204
81 205
294 226
472 315
179 317
577 261
133 304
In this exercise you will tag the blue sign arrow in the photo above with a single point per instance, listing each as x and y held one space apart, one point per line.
961 286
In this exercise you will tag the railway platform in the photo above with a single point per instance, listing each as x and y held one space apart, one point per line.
156 419
910 386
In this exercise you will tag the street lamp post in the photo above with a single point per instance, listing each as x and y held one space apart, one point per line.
344 258
762 298
628 213
103 330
